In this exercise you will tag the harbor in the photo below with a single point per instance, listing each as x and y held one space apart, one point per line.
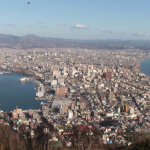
13 93
3 72
25 79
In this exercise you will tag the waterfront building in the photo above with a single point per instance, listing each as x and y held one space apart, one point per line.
48 77
17 113
31 111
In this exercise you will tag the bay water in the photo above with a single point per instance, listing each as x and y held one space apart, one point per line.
14 93
145 66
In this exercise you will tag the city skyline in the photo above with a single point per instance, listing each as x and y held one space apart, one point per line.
96 19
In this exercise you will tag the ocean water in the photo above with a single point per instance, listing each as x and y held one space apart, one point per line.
14 93
145 66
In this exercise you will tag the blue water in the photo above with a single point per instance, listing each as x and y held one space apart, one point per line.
145 67
13 93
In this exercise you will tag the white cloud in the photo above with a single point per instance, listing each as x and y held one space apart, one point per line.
61 24
80 26
113 32
29 25
141 34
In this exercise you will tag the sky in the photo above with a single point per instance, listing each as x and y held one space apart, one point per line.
77 19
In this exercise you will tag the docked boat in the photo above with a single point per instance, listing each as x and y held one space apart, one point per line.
24 79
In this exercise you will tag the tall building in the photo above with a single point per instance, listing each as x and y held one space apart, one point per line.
95 82
61 90
61 110
56 74
105 70
94 113
131 110
89 71
65 108
65 71
70 114
54 82
108 75
140 119
31 111
60 80
115 90
87 117
112 95
98 77
82 106
15 115
125 108
76 107
48 77
72 106
118 110
16 112
39 92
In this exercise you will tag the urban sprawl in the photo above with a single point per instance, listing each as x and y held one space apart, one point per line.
98 97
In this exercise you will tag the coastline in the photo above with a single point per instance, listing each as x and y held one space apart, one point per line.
31 78
21 95
139 65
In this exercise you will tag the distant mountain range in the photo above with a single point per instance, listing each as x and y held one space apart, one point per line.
33 41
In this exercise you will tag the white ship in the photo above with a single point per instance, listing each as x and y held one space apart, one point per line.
1 72
24 79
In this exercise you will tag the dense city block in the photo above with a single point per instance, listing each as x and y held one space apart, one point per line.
94 98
